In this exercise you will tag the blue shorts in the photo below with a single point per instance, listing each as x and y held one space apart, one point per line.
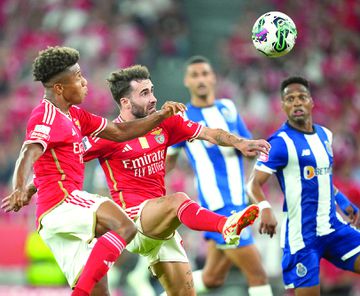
340 247
246 237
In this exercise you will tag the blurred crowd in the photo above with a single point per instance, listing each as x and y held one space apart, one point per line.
118 33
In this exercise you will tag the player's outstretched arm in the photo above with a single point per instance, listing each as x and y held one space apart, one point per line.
21 192
268 221
248 148
128 130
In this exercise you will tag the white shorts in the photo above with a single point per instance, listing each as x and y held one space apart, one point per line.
69 231
155 250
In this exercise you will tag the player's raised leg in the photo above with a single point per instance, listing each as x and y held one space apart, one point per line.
114 231
162 216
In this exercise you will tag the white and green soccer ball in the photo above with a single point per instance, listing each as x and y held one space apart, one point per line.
274 34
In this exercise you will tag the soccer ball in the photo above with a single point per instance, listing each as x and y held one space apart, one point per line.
274 34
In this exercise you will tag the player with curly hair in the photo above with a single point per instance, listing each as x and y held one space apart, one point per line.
85 232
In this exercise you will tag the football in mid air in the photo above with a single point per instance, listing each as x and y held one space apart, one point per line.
274 34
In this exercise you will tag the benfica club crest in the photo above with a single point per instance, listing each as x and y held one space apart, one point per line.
160 138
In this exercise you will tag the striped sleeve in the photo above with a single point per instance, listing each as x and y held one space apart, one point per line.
40 125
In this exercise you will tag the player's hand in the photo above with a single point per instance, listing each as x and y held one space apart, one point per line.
251 148
16 200
353 215
268 222
171 108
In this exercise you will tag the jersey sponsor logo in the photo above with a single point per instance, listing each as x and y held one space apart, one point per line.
305 152
301 270
39 135
42 129
160 139
329 148
78 148
146 164
127 148
311 172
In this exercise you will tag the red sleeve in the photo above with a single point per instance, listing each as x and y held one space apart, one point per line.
91 124
97 148
180 129
41 127
37 131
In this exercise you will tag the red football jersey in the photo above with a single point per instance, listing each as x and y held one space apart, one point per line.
135 169
60 169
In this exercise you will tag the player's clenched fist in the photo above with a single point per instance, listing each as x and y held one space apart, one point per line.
171 108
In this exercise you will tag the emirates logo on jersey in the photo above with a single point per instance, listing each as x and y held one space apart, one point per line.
146 164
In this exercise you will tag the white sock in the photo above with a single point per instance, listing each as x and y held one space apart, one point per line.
264 290
198 282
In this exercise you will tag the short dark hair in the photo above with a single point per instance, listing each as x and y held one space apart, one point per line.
197 59
294 79
119 81
52 61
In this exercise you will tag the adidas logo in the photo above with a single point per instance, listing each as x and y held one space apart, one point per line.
127 148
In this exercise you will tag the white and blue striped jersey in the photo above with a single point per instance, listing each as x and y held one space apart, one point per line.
303 165
218 170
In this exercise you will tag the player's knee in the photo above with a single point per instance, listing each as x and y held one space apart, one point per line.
257 278
176 200
180 290
127 230
212 281
357 264
180 197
